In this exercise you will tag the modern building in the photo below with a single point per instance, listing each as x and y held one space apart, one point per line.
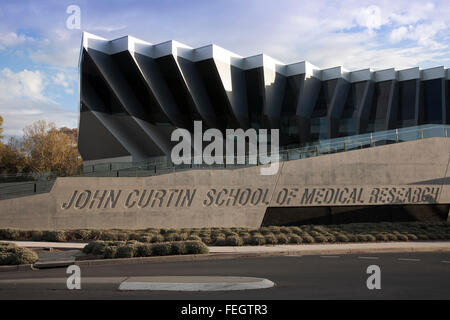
369 145
134 94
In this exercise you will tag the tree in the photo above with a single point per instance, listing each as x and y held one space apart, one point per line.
12 158
1 129
49 149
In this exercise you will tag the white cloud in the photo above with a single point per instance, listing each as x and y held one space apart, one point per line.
23 84
22 101
424 34
12 39
413 13
399 34
61 48
17 114
60 79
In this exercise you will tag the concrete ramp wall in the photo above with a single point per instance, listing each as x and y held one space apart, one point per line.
409 173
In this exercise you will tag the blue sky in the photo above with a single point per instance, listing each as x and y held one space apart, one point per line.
39 54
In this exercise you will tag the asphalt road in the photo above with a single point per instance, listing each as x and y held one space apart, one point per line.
403 276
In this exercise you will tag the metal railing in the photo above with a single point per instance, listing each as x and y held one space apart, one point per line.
150 168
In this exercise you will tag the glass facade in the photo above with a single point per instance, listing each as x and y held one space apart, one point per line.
255 91
96 89
305 110
447 95
380 105
216 94
289 127
355 96
136 82
406 112
319 120
432 101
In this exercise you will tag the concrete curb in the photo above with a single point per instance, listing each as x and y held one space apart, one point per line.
223 256
21 267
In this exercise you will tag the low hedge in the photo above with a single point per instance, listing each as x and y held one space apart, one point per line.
10 254
356 232
130 249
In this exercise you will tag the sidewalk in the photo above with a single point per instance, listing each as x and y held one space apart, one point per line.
300 249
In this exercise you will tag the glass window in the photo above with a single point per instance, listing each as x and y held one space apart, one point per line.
432 100
381 100
289 129
324 99
354 98
319 128
136 82
93 83
255 85
448 101
407 100
216 93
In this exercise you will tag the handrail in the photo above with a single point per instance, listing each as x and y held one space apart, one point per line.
315 149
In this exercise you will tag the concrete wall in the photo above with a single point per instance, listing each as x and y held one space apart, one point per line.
414 172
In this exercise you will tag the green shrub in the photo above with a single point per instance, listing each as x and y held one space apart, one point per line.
196 247
54 236
108 236
143 250
181 236
9 234
205 240
170 237
36 235
134 236
126 251
423 236
265 231
412 237
308 239
94 235
13 255
257 240
110 252
95 247
282 238
320 239
5 246
296 230
194 238
218 241
82 234
295 239
157 239
145 239
402 237
381 237
122 236
361 237
270 239
161 249
342 238
230 241
178 248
